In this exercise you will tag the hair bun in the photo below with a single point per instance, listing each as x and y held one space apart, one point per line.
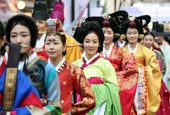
106 23
132 24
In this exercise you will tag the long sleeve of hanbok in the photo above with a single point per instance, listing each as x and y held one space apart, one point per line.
53 89
153 78
160 56
84 89
27 99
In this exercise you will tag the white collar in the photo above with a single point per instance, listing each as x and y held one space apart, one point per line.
1 60
134 51
82 55
60 63
40 43
6 56
121 44
151 48
88 61
29 59
106 54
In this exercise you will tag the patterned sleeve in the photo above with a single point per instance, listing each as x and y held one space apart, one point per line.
27 99
128 76
53 88
84 89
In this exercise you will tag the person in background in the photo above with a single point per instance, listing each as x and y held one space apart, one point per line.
40 16
26 99
164 92
73 53
149 81
159 32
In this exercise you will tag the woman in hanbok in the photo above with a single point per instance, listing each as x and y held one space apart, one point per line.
22 30
70 76
98 71
147 99
164 92
26 99
123 62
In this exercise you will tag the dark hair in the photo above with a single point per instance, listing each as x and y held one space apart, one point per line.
2 33
86 28
113 25
25 21
132 24
63 40
149 33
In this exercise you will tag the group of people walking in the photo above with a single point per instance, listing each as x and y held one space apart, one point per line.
110 66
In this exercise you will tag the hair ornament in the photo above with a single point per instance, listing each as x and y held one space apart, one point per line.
106 17
141 36
131 18
83 19
51 38
52 26
117 35
123 36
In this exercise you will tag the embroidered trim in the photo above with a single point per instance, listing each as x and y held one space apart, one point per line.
62 66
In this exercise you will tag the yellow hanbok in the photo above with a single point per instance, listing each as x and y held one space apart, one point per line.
149 82
73 53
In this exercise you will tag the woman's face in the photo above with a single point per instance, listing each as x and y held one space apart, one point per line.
148 41
91 44
132 35
41 25
21 35
108 34
54 48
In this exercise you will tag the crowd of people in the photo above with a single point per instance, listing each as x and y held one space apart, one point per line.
113 65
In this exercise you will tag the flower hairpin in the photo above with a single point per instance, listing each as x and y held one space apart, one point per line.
106 17
83 19
117 35
141 36
123 36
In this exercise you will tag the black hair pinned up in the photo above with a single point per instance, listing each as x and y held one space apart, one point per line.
86 28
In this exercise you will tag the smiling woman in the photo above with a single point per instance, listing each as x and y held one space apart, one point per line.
148 66
99 72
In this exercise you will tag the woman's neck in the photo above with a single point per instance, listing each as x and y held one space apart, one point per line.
28 53
55 61
39 36
90 56
107 46
133 45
